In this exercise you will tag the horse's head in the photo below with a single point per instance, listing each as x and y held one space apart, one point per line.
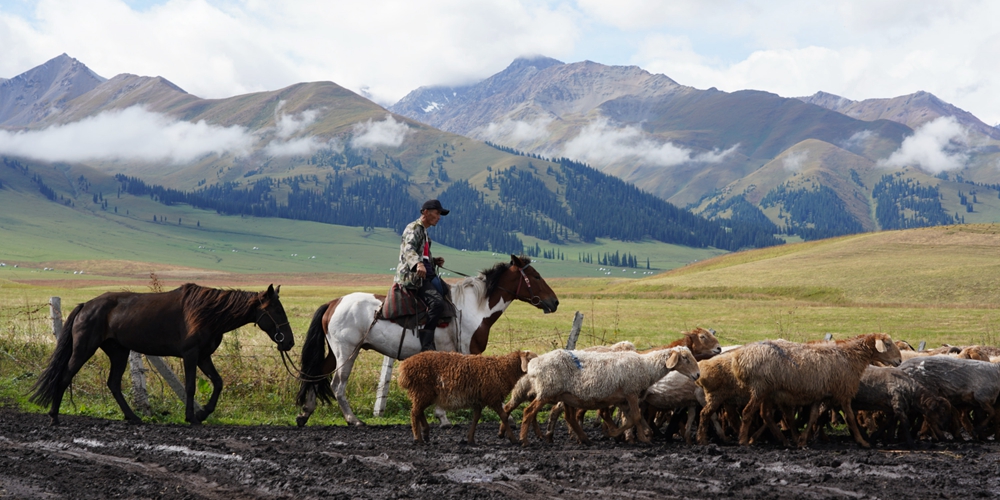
271 318
529 285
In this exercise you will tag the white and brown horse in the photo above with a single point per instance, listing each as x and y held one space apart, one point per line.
346 325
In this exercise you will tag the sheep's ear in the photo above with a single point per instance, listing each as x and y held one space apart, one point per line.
879 345
673 360
524 360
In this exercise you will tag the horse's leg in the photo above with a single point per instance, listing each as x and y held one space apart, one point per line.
81 353
208 368
190 374
442 416
119 361
339 385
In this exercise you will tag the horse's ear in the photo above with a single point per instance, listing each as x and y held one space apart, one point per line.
270 289
516 261
277 291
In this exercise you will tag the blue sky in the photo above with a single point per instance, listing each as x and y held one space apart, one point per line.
854 48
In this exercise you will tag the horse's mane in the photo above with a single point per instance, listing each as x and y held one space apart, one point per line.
489 279
213 308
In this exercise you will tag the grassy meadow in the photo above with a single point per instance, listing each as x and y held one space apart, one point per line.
937 285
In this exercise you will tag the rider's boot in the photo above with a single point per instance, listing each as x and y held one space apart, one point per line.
426 340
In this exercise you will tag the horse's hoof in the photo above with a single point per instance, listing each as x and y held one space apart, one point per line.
301 420
201 415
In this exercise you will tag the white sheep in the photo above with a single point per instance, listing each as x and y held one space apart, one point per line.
591 380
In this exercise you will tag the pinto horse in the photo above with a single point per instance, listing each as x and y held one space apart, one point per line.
348 325
187 322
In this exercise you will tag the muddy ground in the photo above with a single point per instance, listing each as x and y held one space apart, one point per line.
95 458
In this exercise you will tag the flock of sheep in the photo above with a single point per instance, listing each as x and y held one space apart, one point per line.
774 389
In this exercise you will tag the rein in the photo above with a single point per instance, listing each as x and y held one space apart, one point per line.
456 272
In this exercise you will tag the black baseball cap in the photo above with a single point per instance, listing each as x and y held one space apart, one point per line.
434 204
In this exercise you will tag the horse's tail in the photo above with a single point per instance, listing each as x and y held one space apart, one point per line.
313 357
47 385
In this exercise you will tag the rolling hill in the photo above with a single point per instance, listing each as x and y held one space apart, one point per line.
925 268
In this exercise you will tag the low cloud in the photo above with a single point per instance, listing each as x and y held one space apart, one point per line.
858 140
794 160
600 143
936 146
289 125
515 132
138 134
130 134
372 134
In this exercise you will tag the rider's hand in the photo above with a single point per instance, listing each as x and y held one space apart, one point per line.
421 270
439 261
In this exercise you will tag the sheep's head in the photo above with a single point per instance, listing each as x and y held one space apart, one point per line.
904 346
886 352
703 343
682 361
973 352
526 356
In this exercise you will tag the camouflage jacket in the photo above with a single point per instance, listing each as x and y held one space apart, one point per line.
410 253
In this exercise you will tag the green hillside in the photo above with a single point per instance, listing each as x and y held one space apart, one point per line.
927 267
37 233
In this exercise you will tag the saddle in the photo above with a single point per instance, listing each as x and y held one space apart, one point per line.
403 307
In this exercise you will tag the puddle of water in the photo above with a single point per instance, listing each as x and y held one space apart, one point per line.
202 454
93 443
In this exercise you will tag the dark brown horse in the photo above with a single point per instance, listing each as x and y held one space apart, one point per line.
187 323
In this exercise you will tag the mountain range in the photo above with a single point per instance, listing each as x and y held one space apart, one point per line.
753 162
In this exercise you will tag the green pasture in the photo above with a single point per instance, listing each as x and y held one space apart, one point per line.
36 233
935 285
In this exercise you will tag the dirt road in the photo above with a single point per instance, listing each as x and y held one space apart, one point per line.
95 458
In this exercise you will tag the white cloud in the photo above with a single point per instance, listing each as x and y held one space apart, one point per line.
219 48
858 139
289 125
514 132
301 147
130 134
600 143
794 160
387 132
935 146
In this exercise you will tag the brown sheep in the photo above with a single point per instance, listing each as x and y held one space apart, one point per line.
454 381
979 352
702 343
791 375
722 391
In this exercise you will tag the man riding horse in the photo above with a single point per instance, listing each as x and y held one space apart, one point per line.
417 269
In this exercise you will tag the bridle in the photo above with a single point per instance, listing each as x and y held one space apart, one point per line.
277 337
534 300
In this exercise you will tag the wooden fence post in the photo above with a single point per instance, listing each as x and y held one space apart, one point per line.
575 332
55 313
382 396
171 379
139 396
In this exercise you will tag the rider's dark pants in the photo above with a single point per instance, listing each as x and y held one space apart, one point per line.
435 304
